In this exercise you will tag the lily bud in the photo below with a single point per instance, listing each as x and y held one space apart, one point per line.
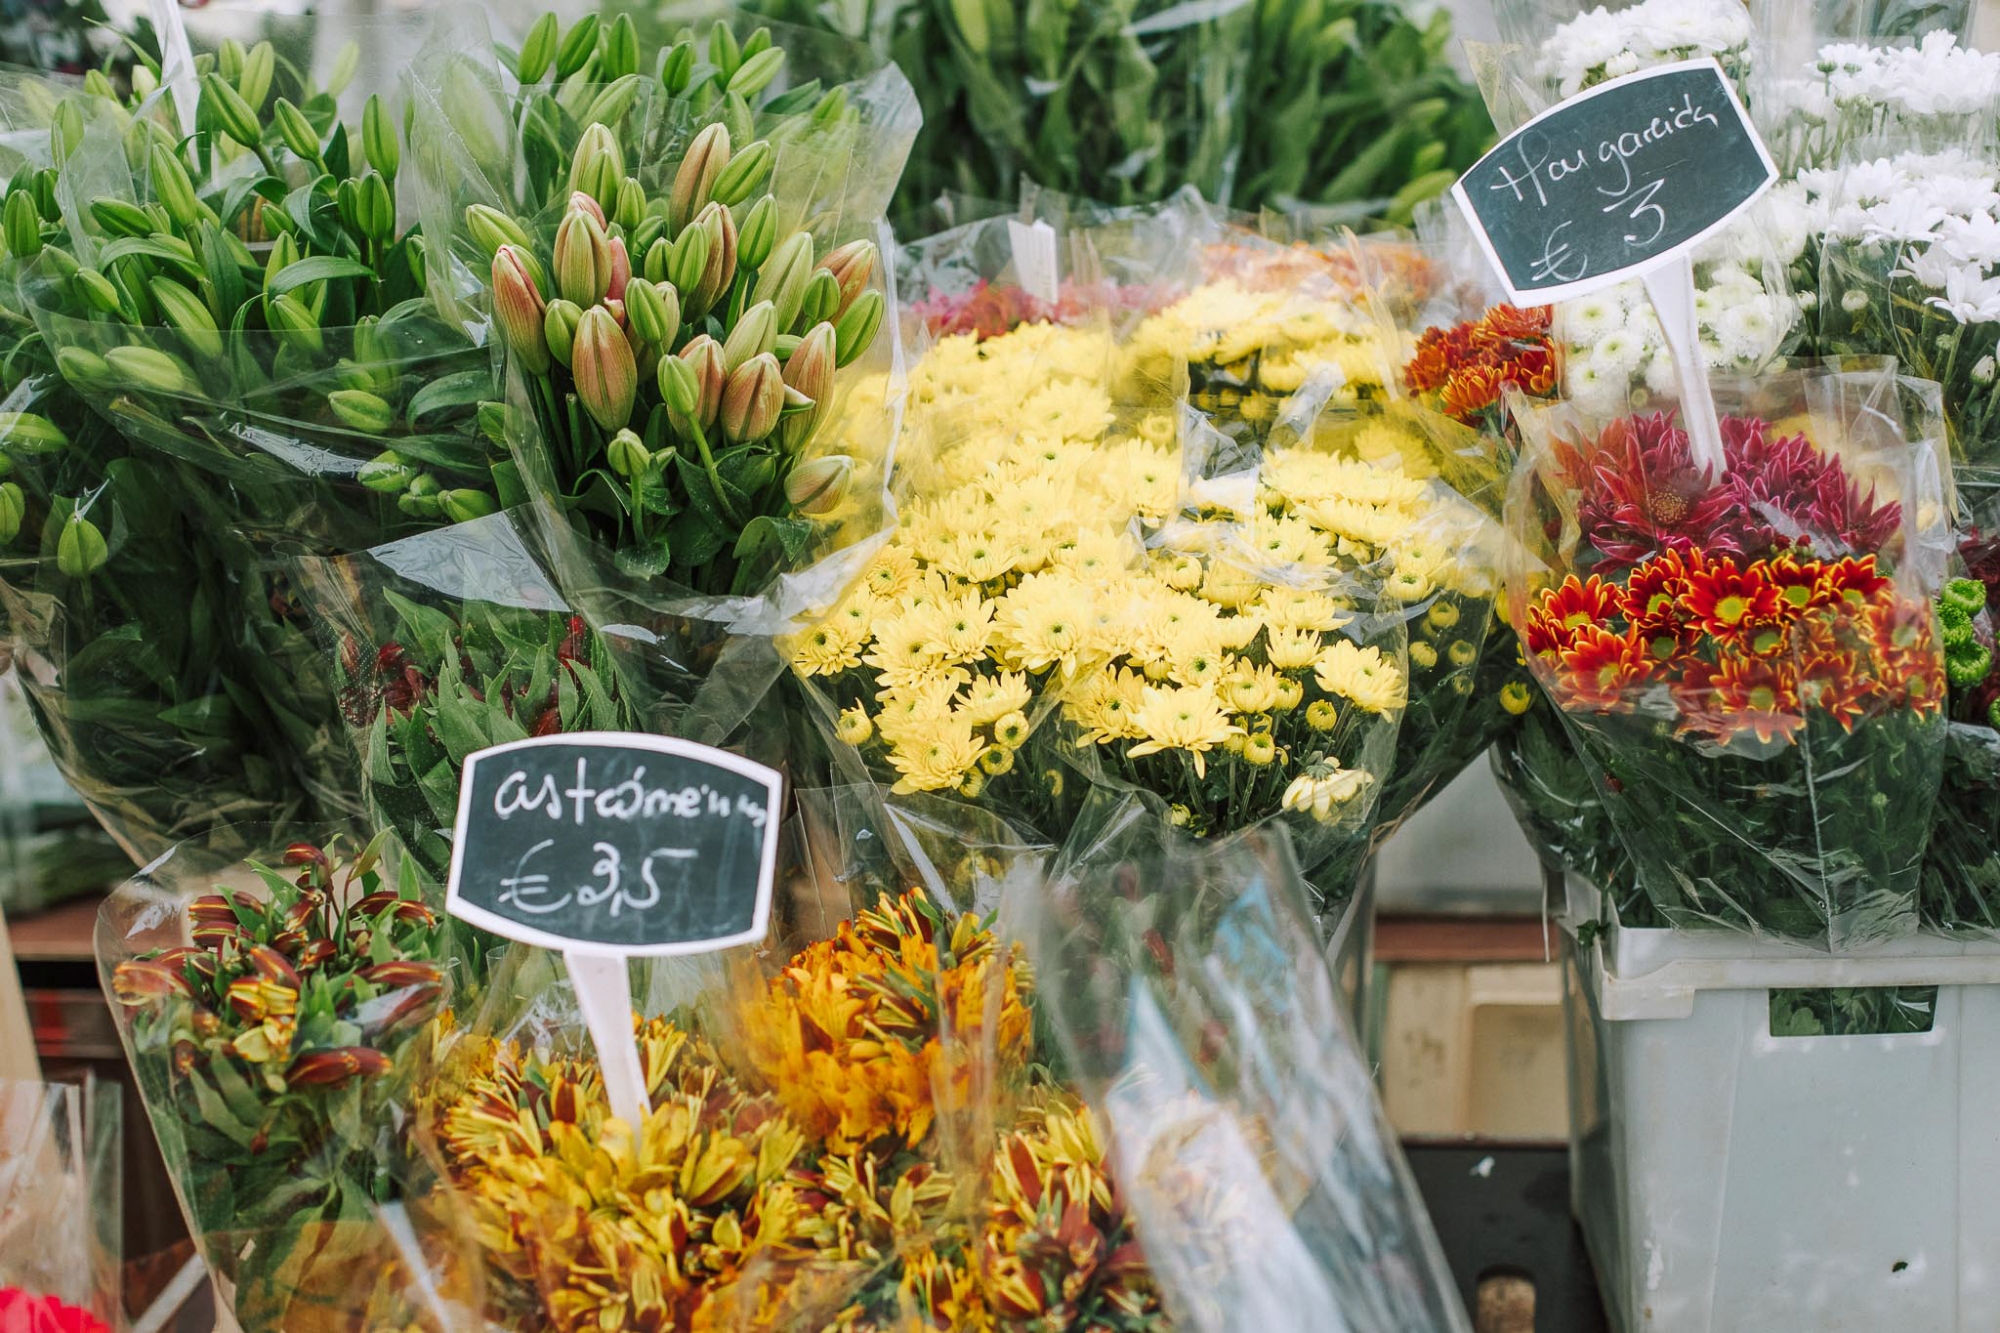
579 202
21 224
378 138
13 508
754 334
620 48
559 328
229 111
657 256
149 368
756 233
821 301
496 423
297 132
577 46
621 269
345 65
538 50
464 505
852 265
188 316
295 323
362 410
80 550
721 271
744 176
520 311
818 486
678 68
372 210
83 368
694 183
97 290
255 81
121 218
607 377
853 331
626 454
611 104
782 282
703 357
172 186
386 473
631 209
809 370
582 260
756 72
490 229
31 433
598 168
678 388
653 313
687 262
752 400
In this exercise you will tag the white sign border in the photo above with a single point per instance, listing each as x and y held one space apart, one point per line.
1613 277
506 927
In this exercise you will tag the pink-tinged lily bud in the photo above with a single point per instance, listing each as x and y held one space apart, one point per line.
817 487
145 979
809 370
579 202
694 183
752 399
607 377
653 313
703 355
598 167
519 310
756 332
782 281
559 328
621 269
583 260
720 270
852 265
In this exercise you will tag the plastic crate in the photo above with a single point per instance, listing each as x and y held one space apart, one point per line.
1733 1181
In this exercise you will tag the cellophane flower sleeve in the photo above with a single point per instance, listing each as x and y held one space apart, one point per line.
276 1012
60 1206
1748 659
1194 1010
1962 864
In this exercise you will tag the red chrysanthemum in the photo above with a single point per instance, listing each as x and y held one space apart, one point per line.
1553 622
1600 670
1853 580
1735 607
1653 596
1753 696
1642 495
1832 684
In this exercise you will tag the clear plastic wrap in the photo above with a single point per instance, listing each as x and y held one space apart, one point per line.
1962 865
276 1013
1563 47
60 1195
1748 660
1186 986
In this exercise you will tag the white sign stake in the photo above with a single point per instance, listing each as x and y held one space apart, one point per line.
604 993
1671 287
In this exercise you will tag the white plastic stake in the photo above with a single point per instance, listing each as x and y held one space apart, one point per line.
1035 263
176 61
604 993
1671 287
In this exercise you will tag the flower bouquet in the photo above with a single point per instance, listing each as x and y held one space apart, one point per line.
1747 658
59 1207
275 1025
1962 864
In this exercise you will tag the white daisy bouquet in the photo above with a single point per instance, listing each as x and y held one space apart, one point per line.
1591 46
1935 92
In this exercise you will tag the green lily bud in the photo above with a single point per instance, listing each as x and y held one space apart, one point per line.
577 46
22 226
657 256
121 218
519 310
678 68
694 183
30 433
688 260
229 59
611 104
370 347
297 132
378 209
721 269
818 486
782 282
188 315
97 85
651 226
559 328
752 400
379 141
786 344
757 42
419 506
653 314
631 207
255 81
618 52
538 50
84 369
149 368
284 253
723 52
598 168
852 265
172 186
229 112
703 358
756 233
853 331
13 508
462 506
144 83
295 323
345 65
362 410
626 454
607 377
744 175
97 290
386 473
821 301
490 229
754 335
809 370
755 73
583 260
65 130
425 486
970 17
736 115
679 389
80 550
496 423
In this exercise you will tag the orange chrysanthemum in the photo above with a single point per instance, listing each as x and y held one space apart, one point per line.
1600 669
1552 624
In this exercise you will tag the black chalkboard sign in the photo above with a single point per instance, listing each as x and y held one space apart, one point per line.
1614 181
615 843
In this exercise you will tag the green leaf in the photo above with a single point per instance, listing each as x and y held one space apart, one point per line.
315 268
464 389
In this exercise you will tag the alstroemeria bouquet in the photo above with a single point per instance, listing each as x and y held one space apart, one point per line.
1746 658
274 1024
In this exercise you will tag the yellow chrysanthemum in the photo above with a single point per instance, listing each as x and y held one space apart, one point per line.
1361 675
1189 718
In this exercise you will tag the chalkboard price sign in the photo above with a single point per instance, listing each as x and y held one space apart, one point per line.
1615 181
609 843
